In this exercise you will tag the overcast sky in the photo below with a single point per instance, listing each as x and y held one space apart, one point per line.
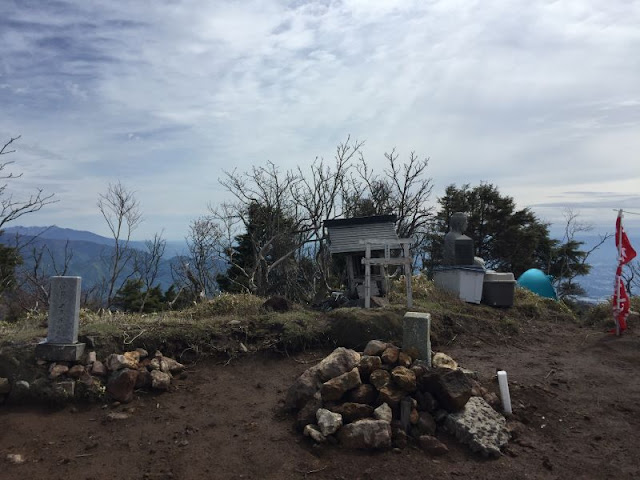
539 98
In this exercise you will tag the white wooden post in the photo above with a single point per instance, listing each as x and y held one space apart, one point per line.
367 277
408 274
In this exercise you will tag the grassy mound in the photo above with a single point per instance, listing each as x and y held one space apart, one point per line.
233 324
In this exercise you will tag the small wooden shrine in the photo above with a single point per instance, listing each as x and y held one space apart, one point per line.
370 245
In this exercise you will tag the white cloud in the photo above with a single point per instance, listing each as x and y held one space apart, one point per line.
535 97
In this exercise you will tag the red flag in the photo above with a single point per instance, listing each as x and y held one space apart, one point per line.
620 301
627 253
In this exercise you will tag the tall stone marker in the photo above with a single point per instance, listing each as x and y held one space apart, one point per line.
62 344
416 334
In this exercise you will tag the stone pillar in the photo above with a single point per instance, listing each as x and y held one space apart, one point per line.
416 335
64 310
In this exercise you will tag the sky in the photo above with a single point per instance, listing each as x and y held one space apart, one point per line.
541 99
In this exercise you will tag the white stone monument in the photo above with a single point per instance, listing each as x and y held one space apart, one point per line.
62 344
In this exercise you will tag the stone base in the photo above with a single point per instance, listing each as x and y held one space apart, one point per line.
60 352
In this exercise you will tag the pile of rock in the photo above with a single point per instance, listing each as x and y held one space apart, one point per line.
383 398
115 378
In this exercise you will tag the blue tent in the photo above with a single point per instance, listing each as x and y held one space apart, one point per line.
539 283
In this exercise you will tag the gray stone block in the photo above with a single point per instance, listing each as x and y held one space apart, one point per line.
60 352
416 328
64 310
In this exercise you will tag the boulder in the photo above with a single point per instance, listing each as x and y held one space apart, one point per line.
432 445
479 426
351 411
328 421
404 378
375 347
390 355
133 357
366 434
365 393
384 413
368 363
142 353
380 378
335 388
160 380
442 360
121 384
303 389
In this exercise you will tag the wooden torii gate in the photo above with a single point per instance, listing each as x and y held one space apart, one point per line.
405 260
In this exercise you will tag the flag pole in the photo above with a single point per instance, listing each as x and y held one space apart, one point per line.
618 277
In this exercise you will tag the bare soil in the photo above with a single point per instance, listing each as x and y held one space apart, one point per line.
575 390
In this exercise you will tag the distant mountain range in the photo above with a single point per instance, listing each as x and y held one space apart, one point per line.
88 252
89 249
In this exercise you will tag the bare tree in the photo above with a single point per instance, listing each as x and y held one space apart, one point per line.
10 208
121 211
147 264
571 262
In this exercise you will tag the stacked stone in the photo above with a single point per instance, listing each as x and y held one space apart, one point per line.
116 378
383 398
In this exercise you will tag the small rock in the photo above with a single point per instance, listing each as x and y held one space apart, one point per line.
375 347
5 386
15 458
142 353
307 414
160 380
121 384
384 413
374 434
451 388
442 360
400 438
57 369
133 357
426 424
432 445
144 379
426 402
365 393
335 388
91 357
313 432
116 362
404 378
65 389
98 369
414 416
352 412
76 371
404 359
390 355
368 364
328 421
391 395
115 416
169 365
380 378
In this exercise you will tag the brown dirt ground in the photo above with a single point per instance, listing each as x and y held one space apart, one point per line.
576 390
